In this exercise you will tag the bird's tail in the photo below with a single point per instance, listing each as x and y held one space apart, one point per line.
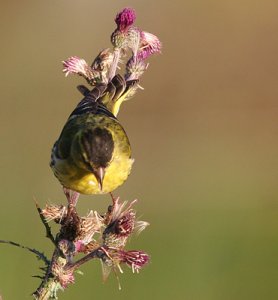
118 90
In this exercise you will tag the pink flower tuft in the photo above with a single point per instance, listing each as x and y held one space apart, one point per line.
150 44
64 276
134 258
75 65
125 18
79 246
66 279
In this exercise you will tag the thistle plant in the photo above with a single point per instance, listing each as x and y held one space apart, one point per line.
102 236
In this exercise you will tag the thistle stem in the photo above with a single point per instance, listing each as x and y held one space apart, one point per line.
49 285
98 253
45 292
47 227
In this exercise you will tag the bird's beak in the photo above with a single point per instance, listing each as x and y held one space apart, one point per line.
99 173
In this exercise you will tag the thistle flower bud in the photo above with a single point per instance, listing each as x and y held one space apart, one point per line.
118 39
124 21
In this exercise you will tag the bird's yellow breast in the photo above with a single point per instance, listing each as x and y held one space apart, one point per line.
115 175
71 171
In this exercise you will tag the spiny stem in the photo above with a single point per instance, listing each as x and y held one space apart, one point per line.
48 285
39 254
47 227
45 293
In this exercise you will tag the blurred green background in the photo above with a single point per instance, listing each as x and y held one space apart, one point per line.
204 137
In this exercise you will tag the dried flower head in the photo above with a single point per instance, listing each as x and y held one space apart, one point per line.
88 227
54 213
103 61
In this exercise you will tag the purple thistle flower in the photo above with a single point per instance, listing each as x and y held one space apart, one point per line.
134 258
116 233
120 224
113 259
125 225
123 219
125 18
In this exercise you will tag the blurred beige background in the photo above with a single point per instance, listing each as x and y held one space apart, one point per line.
204 136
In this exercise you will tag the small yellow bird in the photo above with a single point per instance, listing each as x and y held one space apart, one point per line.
93 154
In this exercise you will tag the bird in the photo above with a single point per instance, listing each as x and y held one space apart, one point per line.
93 154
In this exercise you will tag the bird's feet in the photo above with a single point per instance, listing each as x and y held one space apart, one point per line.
114 200
72 196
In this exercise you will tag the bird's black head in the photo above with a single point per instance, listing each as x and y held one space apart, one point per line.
98 146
